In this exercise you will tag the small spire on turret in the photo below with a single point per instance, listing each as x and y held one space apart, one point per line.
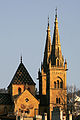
65 61
65 64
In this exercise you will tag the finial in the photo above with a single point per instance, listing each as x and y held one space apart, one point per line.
56 12
21 59
48 20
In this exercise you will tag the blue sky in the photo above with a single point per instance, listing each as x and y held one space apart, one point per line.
23 25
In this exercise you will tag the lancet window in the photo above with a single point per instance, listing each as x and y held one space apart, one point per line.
54 84
19 91
57 83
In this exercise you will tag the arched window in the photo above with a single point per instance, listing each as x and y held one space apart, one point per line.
57 62
57 83
19 91
61 84
54 84
58 51
57 100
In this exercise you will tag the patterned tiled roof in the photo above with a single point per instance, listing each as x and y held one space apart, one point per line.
5 99
22 76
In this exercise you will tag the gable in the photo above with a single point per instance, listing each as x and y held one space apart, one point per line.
26 103
29 96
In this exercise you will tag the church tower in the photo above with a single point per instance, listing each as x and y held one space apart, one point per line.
52 77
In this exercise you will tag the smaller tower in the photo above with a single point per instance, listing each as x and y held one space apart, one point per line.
65 64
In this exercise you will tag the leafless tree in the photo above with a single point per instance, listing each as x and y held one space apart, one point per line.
72 99
71 103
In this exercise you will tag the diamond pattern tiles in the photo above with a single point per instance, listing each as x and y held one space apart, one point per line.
22 76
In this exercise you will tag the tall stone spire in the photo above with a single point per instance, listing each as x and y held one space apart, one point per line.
56 39
56 54
47 47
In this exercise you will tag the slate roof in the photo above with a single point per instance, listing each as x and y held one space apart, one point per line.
22 76
5 99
